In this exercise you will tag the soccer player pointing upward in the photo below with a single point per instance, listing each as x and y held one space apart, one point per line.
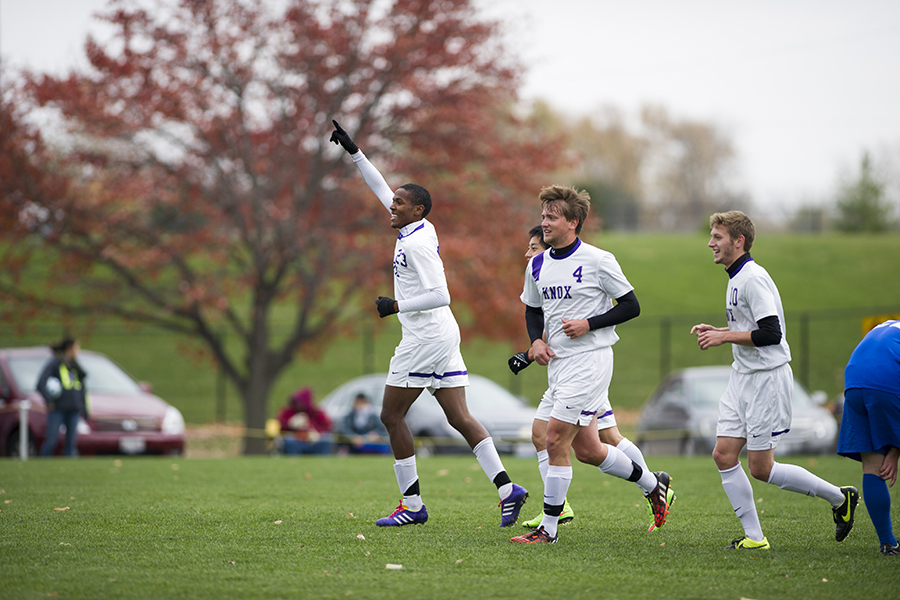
428 355
756 408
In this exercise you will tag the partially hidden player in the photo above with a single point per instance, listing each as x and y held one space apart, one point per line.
428 355
568 294
606 421
755 410
870 424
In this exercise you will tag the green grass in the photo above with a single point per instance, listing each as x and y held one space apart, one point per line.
836 279
288 528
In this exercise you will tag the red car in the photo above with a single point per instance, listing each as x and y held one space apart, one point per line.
125 418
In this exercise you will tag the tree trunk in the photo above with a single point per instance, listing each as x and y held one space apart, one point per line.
255 398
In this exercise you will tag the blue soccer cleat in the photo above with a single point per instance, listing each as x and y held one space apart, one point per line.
403 516
511 505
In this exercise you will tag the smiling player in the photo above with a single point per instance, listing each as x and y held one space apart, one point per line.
428 355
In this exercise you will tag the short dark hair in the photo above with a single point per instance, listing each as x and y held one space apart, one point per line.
537 232
418 195
63 345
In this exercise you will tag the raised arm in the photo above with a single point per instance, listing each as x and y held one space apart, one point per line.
370 174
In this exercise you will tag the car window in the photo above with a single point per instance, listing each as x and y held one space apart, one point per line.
707 391
103 375
484 392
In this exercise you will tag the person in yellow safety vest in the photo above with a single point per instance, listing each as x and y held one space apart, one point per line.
62 385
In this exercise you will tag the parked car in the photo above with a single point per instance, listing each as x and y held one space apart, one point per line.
506 417
125 418
680 416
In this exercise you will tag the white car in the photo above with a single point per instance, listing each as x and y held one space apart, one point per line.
506 417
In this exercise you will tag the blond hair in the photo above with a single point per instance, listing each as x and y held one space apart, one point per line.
737 224
572 204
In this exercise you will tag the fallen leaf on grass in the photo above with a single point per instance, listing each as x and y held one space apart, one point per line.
393 566
663 544
307 475
232 562
7 502
65 508
65 544
459 561
360 536
824 580
278 522
351 516
443 472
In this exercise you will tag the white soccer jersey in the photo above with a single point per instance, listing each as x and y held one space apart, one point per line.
578 285
752 296
418 268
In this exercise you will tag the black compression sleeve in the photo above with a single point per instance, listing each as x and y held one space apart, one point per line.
626 308
768 334
534 322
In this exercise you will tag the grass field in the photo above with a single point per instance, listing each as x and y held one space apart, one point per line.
835 279
262 527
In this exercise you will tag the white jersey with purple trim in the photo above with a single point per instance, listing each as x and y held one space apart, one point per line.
752 296
578 285
418 268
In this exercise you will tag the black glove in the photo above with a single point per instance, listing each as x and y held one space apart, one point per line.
339 136
385 306
519 361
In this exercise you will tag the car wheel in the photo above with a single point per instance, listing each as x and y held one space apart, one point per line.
12 445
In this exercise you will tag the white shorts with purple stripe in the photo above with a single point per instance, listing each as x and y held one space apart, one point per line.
605 416
757 407
579 387
433 365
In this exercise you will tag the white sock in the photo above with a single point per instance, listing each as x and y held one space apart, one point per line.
489 459
555 490
797 479
543 463
634 453
619 465
405 471
740 494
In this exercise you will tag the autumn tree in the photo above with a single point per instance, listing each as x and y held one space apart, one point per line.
195 188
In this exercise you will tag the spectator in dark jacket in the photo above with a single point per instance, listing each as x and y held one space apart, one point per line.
363 427
61 383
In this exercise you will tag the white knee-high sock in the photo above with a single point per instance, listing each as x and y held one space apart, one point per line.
634 453
797 479
740 494
405 470
490 462
555 490
619 465
543 463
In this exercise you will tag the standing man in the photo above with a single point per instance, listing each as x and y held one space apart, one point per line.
870 425
756 408
428 355
61 383
569 292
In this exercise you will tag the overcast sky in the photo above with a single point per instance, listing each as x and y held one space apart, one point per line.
802 87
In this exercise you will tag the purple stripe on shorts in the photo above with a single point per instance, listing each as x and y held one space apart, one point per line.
436 376
774 433
606 414
589 413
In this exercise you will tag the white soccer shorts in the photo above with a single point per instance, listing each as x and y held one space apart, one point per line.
432 366
757 407
579 386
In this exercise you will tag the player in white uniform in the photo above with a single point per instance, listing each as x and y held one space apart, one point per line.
428 355
756 407
607 427
569 293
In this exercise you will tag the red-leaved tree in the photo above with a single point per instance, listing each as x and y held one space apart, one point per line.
191 184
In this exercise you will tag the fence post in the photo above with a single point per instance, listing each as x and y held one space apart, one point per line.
665 347
804 348
24 407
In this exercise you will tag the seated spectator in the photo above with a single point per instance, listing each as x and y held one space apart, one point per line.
305 428
364 429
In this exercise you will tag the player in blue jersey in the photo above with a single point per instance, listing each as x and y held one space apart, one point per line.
870 424
755 410
569 293
428 356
